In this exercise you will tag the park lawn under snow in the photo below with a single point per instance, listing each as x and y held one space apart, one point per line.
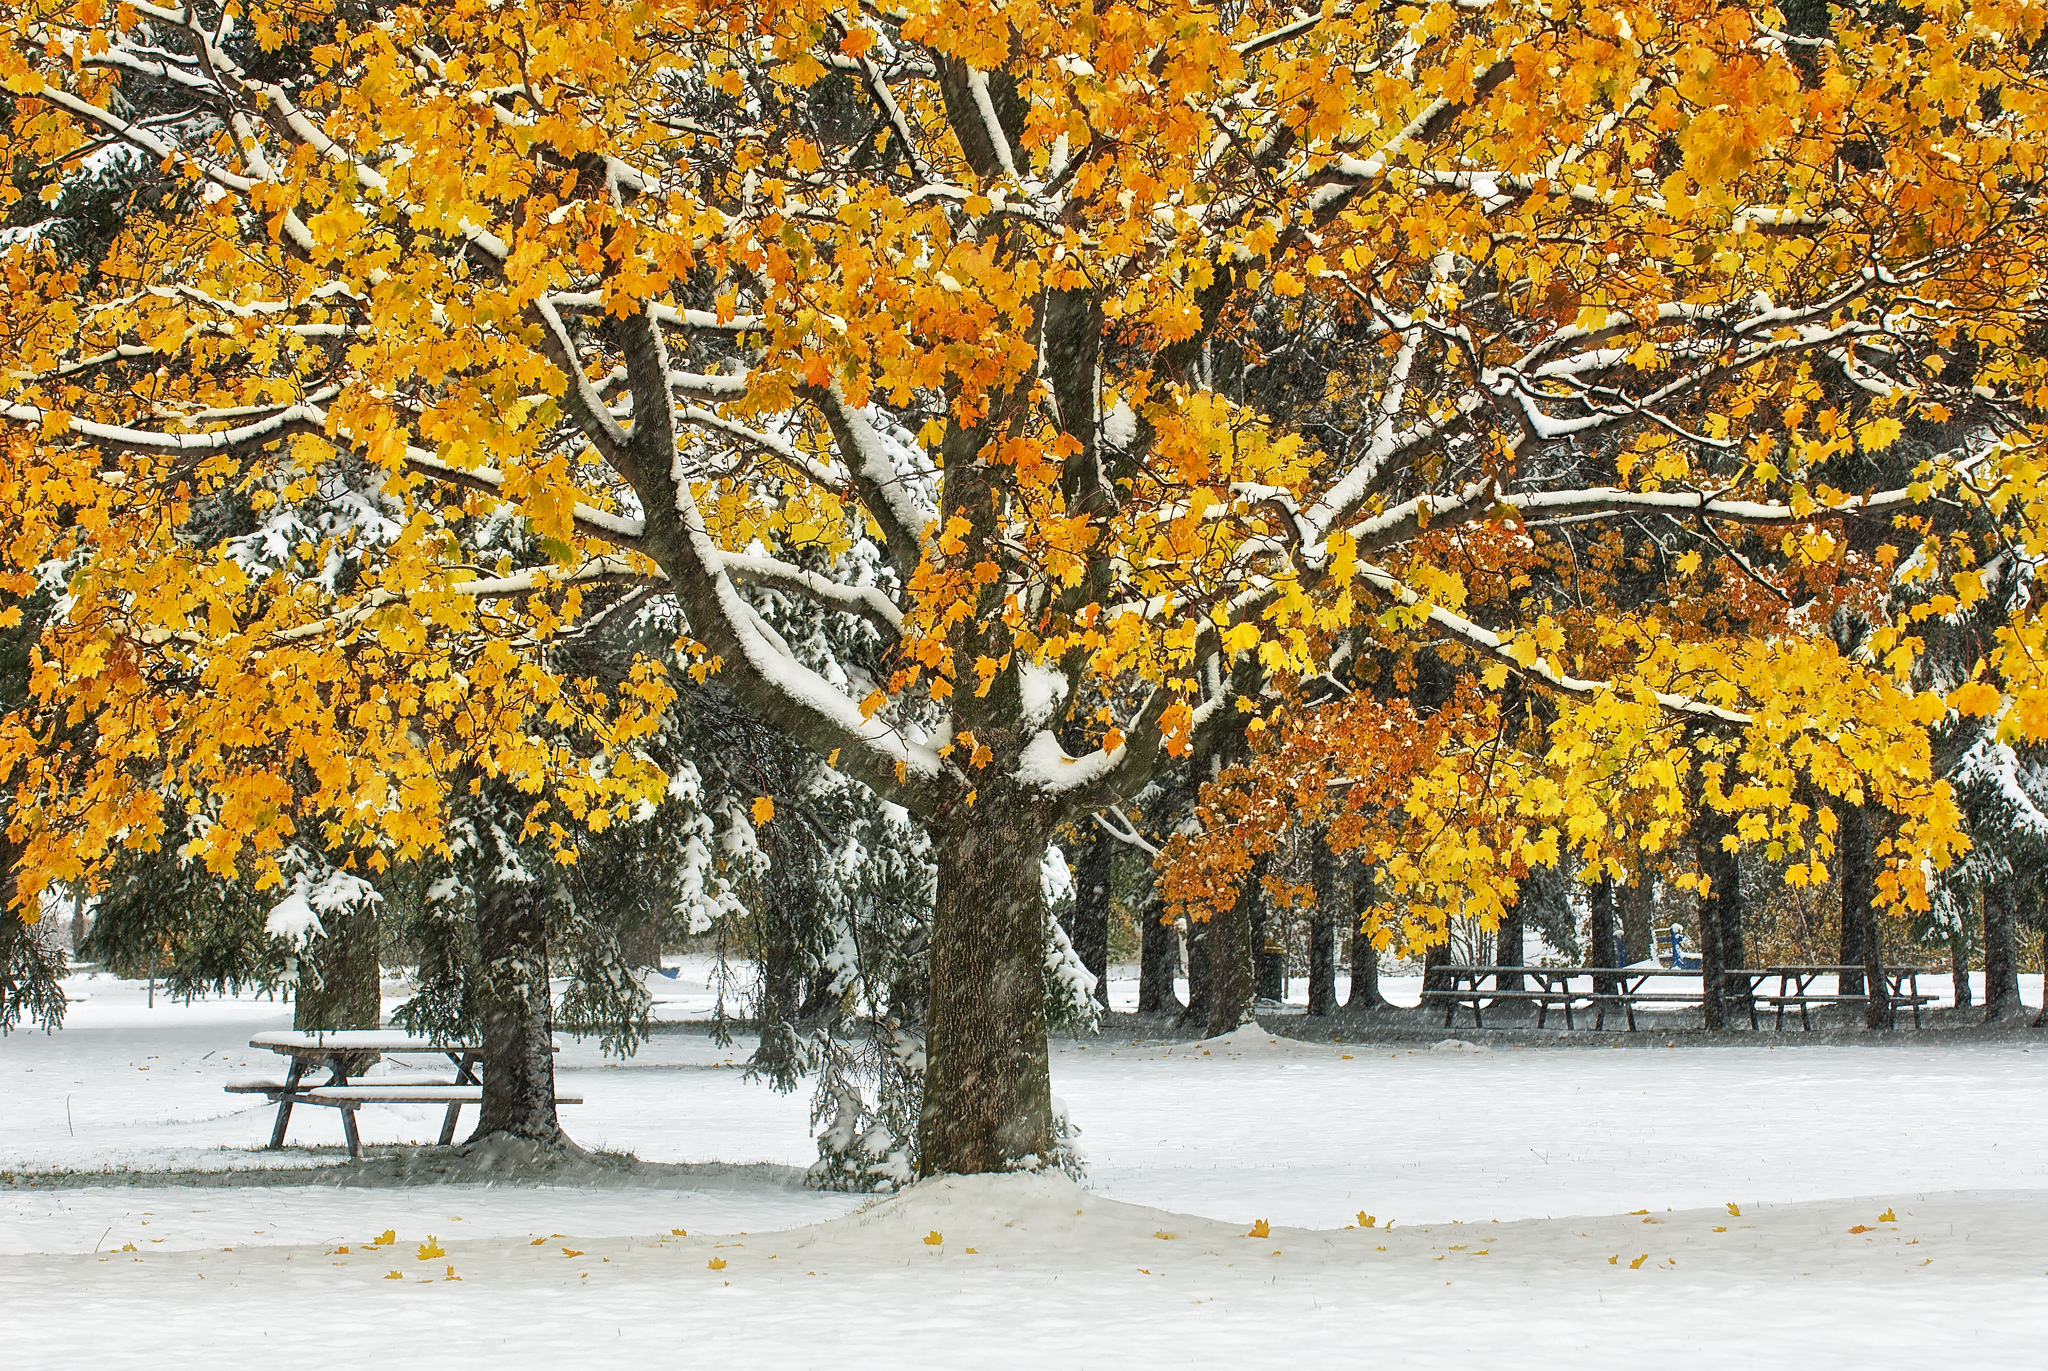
1508 1177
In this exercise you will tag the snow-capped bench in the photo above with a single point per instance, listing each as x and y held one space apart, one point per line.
342 1054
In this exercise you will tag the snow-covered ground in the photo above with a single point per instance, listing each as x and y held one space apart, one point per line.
1509 1178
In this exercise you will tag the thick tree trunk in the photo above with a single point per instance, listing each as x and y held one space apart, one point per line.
518 1037
1232 969
1877 1004
1090 933
1600 936
1638 910
339 975
988 1090
1435 957
1365 958
2001 959
1158 965
1322 930
1859 893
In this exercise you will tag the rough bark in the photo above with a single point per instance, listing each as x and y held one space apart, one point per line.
1092 889
1959 971
2001 949
518 1036
1638 911
1322 932
1365 958
1158 965
988 1091
1510 945
787 892
1600 934
1232 970
339 975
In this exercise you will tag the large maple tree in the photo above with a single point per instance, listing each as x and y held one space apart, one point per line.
705 296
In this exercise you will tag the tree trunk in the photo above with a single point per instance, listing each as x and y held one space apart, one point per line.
1203 936
2041 1017
1158 964
1859 891
339 975
1959 968
1434 957
1365 958
518 1037
1877 1004
988 1089
786 895
1719 911
1092 888
1638 909
642 944
1232 969
2001 960
1510 945
1322 930
1600 934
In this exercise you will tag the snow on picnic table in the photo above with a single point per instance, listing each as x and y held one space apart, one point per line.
1808 1139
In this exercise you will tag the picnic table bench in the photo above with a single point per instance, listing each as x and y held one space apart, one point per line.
1623 988
347 1090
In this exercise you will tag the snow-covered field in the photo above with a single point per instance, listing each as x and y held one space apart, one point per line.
1500 1183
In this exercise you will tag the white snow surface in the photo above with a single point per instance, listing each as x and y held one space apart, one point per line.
1498 1184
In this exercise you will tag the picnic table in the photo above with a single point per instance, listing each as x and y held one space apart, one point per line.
1553 990
1795 987
342 1054
1624 987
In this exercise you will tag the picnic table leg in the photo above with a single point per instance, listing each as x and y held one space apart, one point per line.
348 1131
448 1124
284 1102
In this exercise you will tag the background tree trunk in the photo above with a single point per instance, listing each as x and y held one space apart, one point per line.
1959 968
1859 891
788 890
988 1090
1203 936
1434 958
1510 944
1365 958
1722 900
1092 891
1322 935
2041 1017
518 1037
1158 965
1638 910
339 975
1232 970
642 944
2001 960
1600 934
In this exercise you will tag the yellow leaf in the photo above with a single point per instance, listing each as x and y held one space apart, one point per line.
1975 699
572 1252
716 1263
393 1276
764 809
1366 1220
385 1239
1887 1217
451 1276
1638 1261
679 1232
1261 1229
430 1249
933 1238
1735 1210
1162 1233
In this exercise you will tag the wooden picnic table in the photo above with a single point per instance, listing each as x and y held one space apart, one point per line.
1623 987
1795 987
1555 990
347 1090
